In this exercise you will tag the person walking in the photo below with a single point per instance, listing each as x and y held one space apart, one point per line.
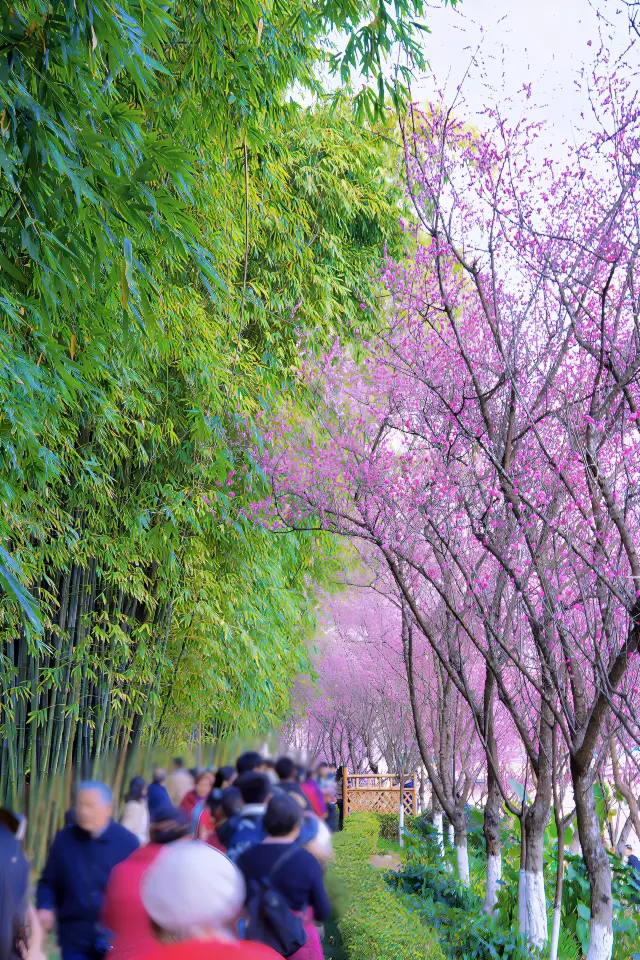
247 829
123 913
288 781
290 869
81 858
135 815
314 794
194 895
326 780
231 805
250 762
14 889
194 801
179 782
157 795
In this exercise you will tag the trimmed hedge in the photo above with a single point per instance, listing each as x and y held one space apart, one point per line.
376 924
390 824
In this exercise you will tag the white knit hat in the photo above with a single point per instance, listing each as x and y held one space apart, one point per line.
190 884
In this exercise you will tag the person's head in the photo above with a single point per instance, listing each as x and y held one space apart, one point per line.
253 787
137 789
169 824
628 850
224 777
192 891
177 764
204 784
94 806
283 817
159 775
322 770
231 802
251 760
286 770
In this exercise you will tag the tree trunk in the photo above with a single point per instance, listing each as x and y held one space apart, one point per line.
535 903
491 830
557 903
597 863
462 851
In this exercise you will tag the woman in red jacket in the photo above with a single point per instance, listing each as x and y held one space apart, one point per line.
123 913
197 796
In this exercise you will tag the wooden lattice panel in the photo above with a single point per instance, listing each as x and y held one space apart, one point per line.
376 793
374 801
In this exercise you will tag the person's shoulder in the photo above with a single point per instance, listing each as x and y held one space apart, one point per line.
305 859
213 950
121 835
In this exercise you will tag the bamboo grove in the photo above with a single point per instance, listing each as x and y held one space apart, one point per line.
171 219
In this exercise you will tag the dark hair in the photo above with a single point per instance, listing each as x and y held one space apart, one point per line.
268 762
14 888
159 774
178 762
248 761
136 789
231 802
286 769
254 787
169 824
282 815
323 763
223 775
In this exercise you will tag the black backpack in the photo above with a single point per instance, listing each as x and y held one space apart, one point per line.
271 919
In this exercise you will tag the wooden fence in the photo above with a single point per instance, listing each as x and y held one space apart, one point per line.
379 793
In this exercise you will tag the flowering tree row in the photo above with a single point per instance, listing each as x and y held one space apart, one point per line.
484 447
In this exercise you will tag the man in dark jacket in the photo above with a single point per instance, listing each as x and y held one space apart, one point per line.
72 885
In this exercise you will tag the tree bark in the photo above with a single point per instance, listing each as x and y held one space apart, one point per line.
491 830
597 864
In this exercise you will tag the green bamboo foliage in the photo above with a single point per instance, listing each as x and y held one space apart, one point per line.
171 224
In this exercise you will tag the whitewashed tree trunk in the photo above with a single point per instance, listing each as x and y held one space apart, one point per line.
600 942
462 858
523 916
437 822
555 933
401 823
598 867
450 833
537 930
494 875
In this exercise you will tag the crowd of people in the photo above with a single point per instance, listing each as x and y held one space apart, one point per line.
223 864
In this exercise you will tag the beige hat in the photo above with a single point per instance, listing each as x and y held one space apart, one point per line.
190 884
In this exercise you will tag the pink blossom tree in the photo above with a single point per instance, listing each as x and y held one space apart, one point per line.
486 445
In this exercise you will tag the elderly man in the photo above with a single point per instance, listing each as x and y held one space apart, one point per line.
72 885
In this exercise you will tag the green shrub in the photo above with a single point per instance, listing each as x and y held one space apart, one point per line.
376 925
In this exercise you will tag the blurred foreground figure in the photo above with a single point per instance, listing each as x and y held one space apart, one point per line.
72 885
194 896
123 913
14 889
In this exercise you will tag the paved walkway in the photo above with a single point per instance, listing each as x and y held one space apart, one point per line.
386 861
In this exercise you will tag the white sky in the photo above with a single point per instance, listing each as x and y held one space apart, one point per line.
507 43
